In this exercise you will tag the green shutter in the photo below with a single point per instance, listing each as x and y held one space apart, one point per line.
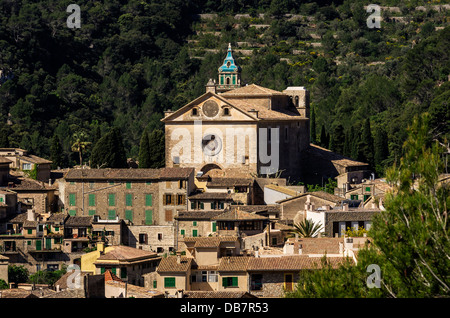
48 243
102 270
111 214
148 200
212 205
72 199
128 185
72 212
224 282
129 215
91 199
214 226
154 283
169 281
28 242
194 233
234 281
113 270
111 199
194 223
38 245
149 217
30 231
183 232
1 199
202 206
148 183
192 205
123 272
56 229
368 189
91 212
129 199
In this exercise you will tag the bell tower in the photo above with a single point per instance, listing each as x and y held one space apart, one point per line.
229 73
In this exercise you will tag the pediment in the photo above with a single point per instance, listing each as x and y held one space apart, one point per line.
209 107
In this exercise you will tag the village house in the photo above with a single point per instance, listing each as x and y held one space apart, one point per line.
293 209
4 170
23 161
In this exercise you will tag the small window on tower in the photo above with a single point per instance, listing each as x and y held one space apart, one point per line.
228 64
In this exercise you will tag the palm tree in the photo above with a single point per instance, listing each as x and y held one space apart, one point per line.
80 144
307 228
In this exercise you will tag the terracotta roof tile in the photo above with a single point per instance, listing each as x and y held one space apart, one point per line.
211 196
236 214
126 253
229 182
234 264
197 215
209 241
129 174
109 276
218 294
169 264
289 263
76 221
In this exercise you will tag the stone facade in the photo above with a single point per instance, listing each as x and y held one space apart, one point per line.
155 238
334 218
273 284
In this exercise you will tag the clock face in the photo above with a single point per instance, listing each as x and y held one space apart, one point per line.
211 145
210 108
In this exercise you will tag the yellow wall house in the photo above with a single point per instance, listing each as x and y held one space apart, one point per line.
88 259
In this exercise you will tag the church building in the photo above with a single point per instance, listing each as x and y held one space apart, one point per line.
239 131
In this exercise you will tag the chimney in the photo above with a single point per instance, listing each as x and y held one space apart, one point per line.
345 207
57 288
178 257
30 215
348 242
180 293
211 86
341 248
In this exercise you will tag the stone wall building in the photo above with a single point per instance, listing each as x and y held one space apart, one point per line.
141 196
22 160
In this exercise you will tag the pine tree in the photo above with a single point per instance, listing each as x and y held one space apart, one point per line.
144 150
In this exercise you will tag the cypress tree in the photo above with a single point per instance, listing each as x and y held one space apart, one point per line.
381 151
56 153
313 126
365 152
144 150
109 151
323 137
337 140
157 148
4 140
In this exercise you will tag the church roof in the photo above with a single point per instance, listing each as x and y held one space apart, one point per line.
251 89
228 63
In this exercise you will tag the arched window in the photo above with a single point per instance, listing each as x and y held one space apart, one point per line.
228 64
296 101
228 81
226 112
194 112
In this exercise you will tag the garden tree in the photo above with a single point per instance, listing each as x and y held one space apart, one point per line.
313 126
47 277
409 239
17 274
381 150
3 284
109 152
80 144
307 228
56 153
157 149
144 150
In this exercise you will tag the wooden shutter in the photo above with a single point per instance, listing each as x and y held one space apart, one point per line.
169 216
148 200
164 200
148 217
91 199
129 199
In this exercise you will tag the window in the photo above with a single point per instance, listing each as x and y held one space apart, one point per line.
102 270
169 282
192 205
368 189
204 276
26 166
72 212
181 199
182 184
148 200
91 212
226 112
194 112
56 228
354 197
28 242
214 226
129 199
91 184
168 216
194 233
229 281
1 199
30 231
155 283
52 267
212 276
123 272
128 185
288 282
111 182
111 214
111 199
366 196
202 206
143 238
183 232
256 282
129 215
91 199
194 223
167 199
72 199
160 236
274 241
148 183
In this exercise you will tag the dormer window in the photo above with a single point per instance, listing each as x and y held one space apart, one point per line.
226 112
194 112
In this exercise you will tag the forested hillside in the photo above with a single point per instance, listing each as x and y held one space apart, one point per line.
131 60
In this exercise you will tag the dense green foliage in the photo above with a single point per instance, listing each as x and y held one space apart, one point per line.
410 240
131 60
47 277
17 274
3 284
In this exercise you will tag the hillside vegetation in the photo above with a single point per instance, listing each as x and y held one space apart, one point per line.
131 60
